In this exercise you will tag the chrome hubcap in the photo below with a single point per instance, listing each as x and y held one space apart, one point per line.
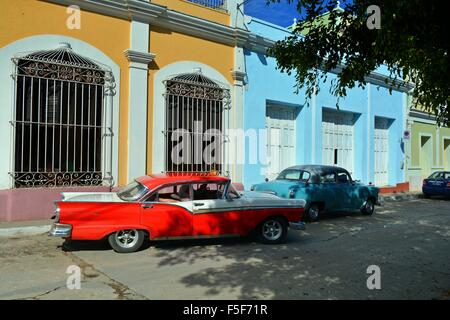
126 238
313 213
272 230
369 206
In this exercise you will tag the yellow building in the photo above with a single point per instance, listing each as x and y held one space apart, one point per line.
92 91
428 147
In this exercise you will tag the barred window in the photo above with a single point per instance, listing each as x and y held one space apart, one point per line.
58 119
197 106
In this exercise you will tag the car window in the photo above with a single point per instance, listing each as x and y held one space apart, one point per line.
436 175
293 174
328 177
447 175
343 177
232 193
208 190
132 191
175 193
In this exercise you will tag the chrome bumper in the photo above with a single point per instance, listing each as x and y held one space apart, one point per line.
300 225
60 230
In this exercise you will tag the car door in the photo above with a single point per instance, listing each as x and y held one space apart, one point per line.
348 192
167 212
327 191
213 214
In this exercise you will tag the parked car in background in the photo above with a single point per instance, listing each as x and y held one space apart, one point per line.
174 206
437 184
324 188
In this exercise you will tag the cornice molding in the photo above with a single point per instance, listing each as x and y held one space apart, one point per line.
158 15
134 56
238 77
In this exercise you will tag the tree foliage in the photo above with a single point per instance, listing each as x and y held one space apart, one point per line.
412 42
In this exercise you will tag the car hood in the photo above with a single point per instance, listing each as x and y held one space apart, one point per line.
90 197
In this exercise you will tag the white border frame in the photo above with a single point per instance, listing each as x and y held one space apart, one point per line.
46 42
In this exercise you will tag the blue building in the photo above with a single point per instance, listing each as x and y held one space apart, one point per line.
365 135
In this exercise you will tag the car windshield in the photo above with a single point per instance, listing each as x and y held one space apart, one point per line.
132 192
294 174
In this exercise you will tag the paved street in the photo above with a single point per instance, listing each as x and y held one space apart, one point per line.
409 241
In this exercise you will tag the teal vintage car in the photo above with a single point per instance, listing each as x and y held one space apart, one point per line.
324 188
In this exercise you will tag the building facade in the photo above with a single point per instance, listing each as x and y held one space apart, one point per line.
365 135
428 147
92 99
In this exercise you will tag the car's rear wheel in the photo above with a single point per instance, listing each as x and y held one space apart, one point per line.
125 241
369 207
313 213
426 196
273 230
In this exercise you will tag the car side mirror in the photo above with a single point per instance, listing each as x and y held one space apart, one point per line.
266 179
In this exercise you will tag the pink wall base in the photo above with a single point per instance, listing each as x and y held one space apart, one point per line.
34 203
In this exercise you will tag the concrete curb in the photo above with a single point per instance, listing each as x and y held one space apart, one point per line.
392 197
20 231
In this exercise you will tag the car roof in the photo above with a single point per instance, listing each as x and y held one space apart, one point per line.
155 180
317 168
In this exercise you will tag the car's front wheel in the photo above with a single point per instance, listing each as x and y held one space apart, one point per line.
313 213
273 231
125 241
369 207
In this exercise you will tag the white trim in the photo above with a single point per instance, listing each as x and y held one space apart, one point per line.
45 42
314 125
139 59
159 104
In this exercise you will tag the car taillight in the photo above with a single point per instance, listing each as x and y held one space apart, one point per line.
291 193
448 184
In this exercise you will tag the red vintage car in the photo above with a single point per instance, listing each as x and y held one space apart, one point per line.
174 206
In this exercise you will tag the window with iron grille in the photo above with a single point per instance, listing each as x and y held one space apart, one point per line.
58 120
197 106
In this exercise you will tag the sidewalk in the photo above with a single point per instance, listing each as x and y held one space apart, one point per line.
399 196
30 227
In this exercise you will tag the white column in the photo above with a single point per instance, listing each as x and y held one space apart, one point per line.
139 58
370 155
237 122
236 10
314 130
